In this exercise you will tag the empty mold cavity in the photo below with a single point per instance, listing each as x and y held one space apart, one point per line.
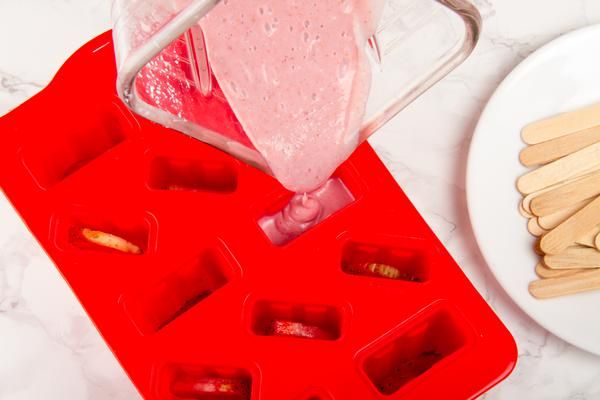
316 394
189 382
122 233
406 261
301 321
57 155
193 175
167 299
294 215
415 351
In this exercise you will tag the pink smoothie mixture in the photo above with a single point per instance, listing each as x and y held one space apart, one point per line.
296 76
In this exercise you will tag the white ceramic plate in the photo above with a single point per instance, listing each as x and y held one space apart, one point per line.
561 76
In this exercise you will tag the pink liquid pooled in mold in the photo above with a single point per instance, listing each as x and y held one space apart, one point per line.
305 211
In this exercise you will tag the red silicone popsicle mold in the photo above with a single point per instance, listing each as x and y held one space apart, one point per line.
194 312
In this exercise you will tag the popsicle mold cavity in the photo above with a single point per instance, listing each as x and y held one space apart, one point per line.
77 230
304 211
52 158
407 260
319 397
165 300
316 394
317 322
192 175
415 351
190 382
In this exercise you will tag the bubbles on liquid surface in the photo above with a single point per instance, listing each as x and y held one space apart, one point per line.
233 87
343 69
347 6
270 28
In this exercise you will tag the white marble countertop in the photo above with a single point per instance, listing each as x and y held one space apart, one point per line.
50 350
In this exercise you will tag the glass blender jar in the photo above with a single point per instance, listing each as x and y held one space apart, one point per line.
164 71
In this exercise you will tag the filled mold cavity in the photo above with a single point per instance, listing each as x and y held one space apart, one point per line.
405 261
167 299
190 382
54 157
414 352
317 322
119 234
192 175
295 214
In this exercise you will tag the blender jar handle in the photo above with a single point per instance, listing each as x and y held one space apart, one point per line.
130 61
472 23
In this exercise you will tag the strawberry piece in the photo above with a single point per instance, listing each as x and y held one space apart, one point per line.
110 241
298 329
381 270
210 388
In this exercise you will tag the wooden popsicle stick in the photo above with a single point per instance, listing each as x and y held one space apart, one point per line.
545 152
526 203
565 234
561 125
576 164
534 227
553 220
538 249
570 284
563 196
545 272
524 212
576 257
597 242
588 238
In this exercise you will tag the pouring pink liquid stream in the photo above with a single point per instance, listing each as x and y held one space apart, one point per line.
297 78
